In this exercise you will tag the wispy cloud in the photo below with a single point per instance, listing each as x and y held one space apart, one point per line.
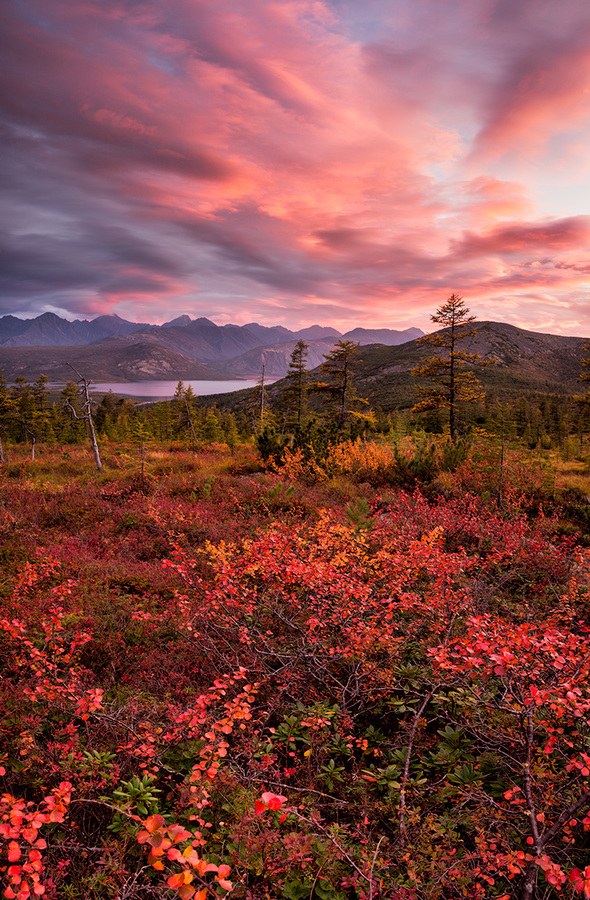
294 161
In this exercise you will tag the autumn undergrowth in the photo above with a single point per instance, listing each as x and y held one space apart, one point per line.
368 679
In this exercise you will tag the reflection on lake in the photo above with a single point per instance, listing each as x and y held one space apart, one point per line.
162 390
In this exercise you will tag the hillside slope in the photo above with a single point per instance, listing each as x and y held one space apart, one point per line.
104 361
521 361
195 340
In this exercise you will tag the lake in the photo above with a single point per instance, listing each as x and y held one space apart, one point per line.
164 390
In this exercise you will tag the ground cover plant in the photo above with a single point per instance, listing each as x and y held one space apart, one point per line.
223 678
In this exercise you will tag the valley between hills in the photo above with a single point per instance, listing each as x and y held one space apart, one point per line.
111 349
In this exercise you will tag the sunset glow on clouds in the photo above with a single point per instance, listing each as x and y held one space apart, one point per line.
297 161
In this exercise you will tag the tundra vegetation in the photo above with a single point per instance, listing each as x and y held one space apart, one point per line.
355 667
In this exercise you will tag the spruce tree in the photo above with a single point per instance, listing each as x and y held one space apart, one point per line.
296 387
6 412
339 368
452 381
211 431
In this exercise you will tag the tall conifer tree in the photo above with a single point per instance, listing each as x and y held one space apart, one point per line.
452 381
339 367
294 393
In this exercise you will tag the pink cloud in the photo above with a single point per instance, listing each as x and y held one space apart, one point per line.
485 200
557 235
297 158
543 95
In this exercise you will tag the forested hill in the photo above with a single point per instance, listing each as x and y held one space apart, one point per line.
519 362
522 362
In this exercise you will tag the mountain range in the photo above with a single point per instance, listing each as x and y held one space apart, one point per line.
518 363
110 348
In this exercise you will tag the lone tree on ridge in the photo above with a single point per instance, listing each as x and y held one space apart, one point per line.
452 381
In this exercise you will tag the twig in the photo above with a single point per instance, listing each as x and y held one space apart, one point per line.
406 772
382 838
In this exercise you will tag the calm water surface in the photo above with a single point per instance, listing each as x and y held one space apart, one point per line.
162 390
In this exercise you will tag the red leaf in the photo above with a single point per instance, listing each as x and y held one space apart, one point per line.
154 823
13 851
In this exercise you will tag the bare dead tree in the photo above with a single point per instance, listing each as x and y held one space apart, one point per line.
190 422
84 384
33 437
258 403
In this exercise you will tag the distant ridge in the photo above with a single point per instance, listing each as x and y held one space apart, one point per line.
383 336
525 361
227 350
276 358
49 330
103 361
317 333
179 322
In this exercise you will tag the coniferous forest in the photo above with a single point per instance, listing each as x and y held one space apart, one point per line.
296 647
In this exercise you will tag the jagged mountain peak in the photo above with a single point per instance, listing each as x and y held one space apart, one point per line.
178 322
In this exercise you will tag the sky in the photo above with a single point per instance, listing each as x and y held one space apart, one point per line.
295 162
